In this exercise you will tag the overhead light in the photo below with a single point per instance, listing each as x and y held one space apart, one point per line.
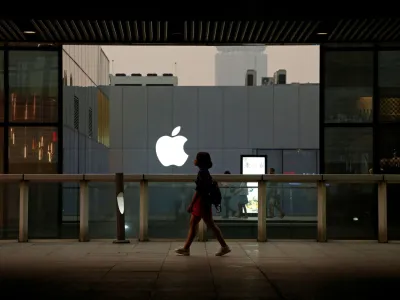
322 33
29 32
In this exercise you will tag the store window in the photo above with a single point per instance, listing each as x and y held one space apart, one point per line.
33 150
348 150
389 86
33 80
348 86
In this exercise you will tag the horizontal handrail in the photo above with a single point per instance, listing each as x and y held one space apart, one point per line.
319 182
328 178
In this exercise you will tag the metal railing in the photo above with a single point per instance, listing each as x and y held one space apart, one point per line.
144 179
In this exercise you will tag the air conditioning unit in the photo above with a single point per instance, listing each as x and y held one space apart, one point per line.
251 78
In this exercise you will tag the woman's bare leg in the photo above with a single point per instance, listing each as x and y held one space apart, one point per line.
194 221
214 227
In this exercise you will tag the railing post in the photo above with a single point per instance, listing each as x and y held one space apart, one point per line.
321 225
120 209
144 211
83 211
202 231
262 211
23 211
382 212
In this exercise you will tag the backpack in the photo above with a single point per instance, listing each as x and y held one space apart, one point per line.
215 195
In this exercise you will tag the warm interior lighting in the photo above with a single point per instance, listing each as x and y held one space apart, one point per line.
29 32
322 33
40 153
25 151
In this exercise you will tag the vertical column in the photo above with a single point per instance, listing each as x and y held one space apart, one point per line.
202 231
262 211
84 211
23 211
120 208
144 211
321 190
382 212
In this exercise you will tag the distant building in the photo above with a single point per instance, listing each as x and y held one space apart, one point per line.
231 63
136 79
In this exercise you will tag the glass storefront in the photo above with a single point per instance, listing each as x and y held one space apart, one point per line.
30 142
360 130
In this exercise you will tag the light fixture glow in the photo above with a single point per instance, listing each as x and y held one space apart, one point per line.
120 202
322 33
29 32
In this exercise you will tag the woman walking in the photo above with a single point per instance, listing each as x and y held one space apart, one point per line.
200 207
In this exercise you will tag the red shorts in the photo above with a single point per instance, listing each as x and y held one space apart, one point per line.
200 210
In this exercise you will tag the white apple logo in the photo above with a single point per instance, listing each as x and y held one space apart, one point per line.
169 149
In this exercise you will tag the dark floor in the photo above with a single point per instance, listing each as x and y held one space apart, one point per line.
272 270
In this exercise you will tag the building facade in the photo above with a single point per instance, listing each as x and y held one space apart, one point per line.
36 132
225 121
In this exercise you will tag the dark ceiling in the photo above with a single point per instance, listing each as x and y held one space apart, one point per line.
200 31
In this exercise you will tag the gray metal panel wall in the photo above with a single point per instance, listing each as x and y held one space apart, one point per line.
225 121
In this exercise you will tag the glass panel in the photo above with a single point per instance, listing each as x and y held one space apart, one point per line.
389 86
274 158
300 162
33 150
168 202
102 210
348 86
389 148
233 220
33 77
292 210
351 208
348 150
352 211
1 86
70 210
44 210
9 210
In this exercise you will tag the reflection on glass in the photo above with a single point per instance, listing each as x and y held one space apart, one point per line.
44 208
33 77
33 150
348 150
274 158
103 210
389 86
351 211
300 161
348 86
298 201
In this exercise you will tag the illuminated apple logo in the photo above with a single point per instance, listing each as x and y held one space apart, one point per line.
170 149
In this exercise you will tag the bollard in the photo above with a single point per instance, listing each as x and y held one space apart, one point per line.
120 209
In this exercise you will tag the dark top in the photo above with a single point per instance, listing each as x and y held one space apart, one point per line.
203 182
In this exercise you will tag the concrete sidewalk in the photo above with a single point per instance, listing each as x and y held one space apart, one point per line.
273 270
